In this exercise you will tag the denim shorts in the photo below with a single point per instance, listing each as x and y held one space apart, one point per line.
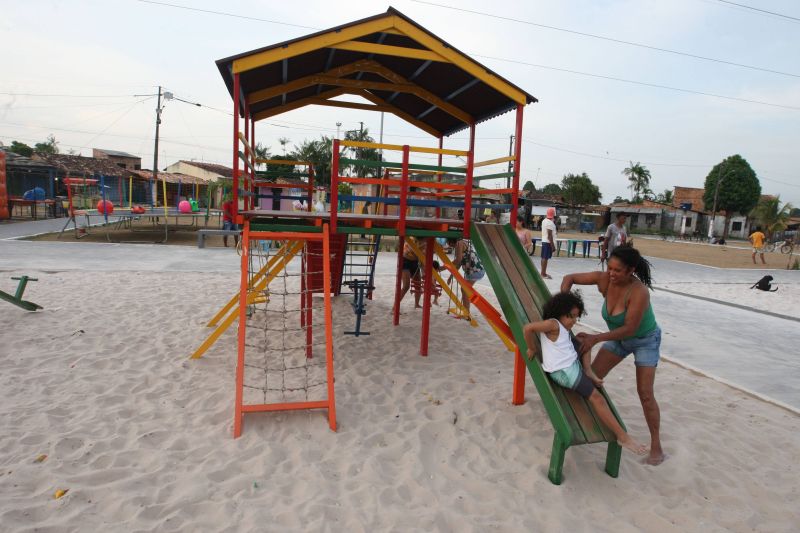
547 250
229 225
645 349
475 276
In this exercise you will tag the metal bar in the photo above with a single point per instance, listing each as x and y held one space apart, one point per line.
396 310
401 229
326 285
238 413
236 90
426 305
335 184
469 184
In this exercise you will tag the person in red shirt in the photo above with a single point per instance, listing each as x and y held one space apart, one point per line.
228 223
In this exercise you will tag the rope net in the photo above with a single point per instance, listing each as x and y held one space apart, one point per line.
285 334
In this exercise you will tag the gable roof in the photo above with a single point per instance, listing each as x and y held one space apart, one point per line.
82 166
222 170
117 153
388 59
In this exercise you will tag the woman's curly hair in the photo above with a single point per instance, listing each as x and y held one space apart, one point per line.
562 304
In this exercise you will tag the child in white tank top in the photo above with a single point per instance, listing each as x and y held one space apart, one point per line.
560 359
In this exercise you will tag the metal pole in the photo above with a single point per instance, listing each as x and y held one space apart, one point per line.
510 163
155 149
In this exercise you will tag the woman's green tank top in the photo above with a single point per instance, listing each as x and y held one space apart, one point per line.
647 325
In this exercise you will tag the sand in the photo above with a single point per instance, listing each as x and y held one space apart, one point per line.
99 381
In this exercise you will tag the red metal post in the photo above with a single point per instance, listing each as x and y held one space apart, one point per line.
334 184
243 286
236 92
247 175
439 176
468 184
396 311
517 167
306 302
518 394
253 201
401 225
426 304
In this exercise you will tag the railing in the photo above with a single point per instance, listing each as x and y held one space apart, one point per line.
401 187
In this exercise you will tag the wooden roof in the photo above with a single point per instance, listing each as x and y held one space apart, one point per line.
389 60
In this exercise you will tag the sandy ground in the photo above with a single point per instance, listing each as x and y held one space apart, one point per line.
141 436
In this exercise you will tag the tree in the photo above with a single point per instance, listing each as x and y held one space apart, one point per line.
665 197
369 154
48 147
771 215
262 152
284 141
795 212
318 153
619 200
552 188
739 188
639 178
529 186
21 149
579 189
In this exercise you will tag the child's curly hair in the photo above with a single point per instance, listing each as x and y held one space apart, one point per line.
562 304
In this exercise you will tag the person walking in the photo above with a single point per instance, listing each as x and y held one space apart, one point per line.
549 236
616 235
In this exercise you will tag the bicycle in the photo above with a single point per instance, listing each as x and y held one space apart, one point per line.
787 247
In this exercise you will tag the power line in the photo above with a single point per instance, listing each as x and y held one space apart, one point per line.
71 95
224 14
643 83
760 10
610 39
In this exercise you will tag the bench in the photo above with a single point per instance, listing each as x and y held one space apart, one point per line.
203 233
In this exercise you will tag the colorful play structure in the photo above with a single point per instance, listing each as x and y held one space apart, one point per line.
414 194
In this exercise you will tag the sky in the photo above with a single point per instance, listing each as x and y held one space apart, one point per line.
85 72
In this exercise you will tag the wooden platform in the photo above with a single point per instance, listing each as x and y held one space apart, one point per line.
275 220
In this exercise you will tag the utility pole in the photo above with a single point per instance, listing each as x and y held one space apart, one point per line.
720 177
338 125
155 149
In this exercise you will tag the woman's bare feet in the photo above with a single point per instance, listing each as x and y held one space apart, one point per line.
655 458
630 444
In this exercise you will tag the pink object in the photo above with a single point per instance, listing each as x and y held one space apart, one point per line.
551 212
105 207
185 207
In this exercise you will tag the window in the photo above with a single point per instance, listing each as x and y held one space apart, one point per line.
634 221
649 220
736 226
688 222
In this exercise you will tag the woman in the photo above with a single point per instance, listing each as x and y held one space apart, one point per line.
632 329
524 235
467 260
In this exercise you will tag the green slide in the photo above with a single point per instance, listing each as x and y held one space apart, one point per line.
522 293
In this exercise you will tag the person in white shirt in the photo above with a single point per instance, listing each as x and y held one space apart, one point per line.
549 235
616 235
561 362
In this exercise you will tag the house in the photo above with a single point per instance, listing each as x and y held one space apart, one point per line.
121 159
208 172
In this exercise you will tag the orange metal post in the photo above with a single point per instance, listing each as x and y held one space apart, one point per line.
238 414
396 318
517 167
426 305
236 95
468 184
326 277
401 227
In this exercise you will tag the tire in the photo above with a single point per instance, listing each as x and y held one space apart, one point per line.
770 247
786 248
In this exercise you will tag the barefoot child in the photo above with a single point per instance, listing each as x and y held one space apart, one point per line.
560 360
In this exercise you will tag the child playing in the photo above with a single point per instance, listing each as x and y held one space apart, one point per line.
560 360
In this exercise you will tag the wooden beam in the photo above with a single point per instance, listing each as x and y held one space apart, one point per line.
461 61
325 40
388 50
307 81
298 104
352 105
397 112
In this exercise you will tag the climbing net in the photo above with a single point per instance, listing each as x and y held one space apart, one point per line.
285 333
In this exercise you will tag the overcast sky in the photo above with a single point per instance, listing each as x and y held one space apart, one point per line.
104 52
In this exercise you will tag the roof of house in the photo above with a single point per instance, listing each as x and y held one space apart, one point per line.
79 165
13 159
222 170
117 153
389 60
171 177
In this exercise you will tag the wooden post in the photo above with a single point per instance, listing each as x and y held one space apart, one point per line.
468 184
517 167
426 304
439 176
518 392
401 225
326 287
236 92
397 285
334 184
238 414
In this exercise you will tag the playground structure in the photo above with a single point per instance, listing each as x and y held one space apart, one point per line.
17 298
400 68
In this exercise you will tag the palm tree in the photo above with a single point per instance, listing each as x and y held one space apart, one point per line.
639 178
319 153
262 152
770 215
370 154
284 141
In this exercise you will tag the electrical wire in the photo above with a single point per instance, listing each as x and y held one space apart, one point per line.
610 39
760 10
224 14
